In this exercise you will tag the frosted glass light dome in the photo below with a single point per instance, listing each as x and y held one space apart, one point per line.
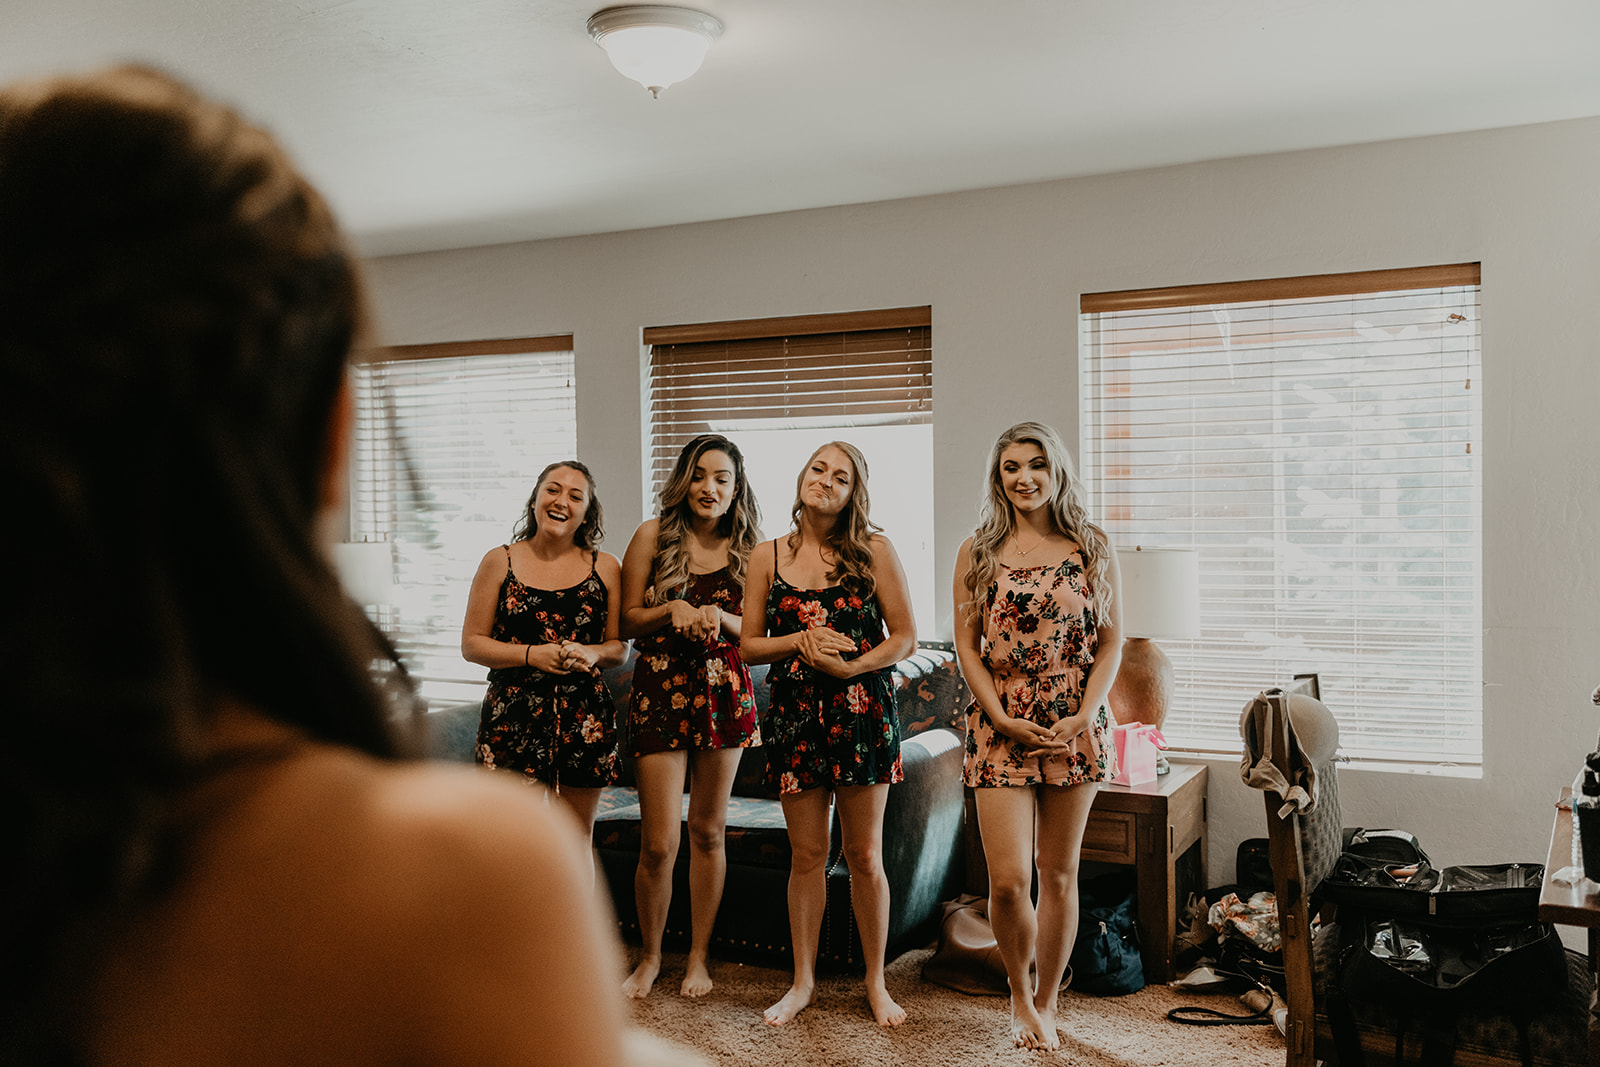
655 45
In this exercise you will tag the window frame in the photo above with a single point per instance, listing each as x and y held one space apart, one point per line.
1115 455
372 516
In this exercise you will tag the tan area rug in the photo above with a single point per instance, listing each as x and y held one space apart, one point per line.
944 1028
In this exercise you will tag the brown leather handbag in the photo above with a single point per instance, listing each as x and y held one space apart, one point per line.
967 959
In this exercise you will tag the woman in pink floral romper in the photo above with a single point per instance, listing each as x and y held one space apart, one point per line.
1036 633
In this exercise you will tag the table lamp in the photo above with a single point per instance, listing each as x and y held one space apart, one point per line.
1160 598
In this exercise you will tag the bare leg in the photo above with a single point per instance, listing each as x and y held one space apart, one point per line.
660 777
1005 819
861 821
1063 814
708 863
582 802
806 815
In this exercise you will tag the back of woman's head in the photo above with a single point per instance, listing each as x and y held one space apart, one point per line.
176 307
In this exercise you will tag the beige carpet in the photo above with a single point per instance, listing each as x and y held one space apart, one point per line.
945 1028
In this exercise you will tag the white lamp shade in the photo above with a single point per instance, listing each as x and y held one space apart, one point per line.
366 570
654 45
1160 592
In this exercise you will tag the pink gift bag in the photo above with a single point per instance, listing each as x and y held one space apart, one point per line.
1137 747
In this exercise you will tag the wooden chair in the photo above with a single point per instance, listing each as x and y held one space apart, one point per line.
1559 1037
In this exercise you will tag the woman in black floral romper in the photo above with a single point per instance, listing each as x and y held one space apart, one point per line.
827 606
1036 633
542 616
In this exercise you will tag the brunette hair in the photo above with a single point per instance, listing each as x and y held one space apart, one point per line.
851 536
740 524
590 532
176 310
996 522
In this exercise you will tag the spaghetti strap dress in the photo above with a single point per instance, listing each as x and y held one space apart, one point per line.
1039 639
829 731
559 729
687 694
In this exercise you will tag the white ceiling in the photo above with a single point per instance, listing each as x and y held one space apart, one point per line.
444 123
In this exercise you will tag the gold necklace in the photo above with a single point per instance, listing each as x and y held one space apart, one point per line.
1016 544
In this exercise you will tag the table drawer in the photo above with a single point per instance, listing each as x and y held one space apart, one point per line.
1109 837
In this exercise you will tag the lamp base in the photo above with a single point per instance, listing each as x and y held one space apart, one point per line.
1143 689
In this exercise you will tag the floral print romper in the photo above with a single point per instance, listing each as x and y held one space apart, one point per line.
688 694
557 728
829 731
1039 640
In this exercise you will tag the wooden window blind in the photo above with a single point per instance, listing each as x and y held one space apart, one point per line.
870 368
447 443
1319 441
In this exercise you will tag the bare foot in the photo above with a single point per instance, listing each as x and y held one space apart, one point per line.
637 985
1050 1039
696 979
792 1004
884 1009
1028 1030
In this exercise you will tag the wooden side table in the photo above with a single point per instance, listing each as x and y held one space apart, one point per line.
1573 904
1147 827
1150 826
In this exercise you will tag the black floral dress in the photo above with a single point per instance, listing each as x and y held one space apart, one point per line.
557 728
1039 640
829 731
689 694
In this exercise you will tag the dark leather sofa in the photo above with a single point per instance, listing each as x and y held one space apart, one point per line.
922 840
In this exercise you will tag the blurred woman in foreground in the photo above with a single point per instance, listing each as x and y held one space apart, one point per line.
225 860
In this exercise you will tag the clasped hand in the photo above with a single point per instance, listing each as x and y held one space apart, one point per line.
698 624
562 657
1042 740
822 648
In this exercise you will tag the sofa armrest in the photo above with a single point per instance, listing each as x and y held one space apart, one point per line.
922 831
452 733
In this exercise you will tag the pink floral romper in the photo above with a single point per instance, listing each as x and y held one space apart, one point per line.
1039 640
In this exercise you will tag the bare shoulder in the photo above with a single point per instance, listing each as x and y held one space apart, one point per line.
761 557
433 901
495 560
607 566
882 548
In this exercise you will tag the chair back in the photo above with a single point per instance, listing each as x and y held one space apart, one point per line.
1304 837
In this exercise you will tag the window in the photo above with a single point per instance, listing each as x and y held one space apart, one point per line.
1317 439
779 388
448 441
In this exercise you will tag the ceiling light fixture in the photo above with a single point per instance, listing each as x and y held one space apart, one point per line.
654 44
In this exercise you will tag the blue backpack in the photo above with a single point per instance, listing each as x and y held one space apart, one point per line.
1105 957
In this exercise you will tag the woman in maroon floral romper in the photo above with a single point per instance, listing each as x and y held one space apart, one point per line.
832 615
692 705
1036 633
542 616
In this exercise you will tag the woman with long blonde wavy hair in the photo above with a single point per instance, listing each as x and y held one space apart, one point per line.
692 711
1036 633
828 608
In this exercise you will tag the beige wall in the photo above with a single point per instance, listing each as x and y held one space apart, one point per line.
1003 269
